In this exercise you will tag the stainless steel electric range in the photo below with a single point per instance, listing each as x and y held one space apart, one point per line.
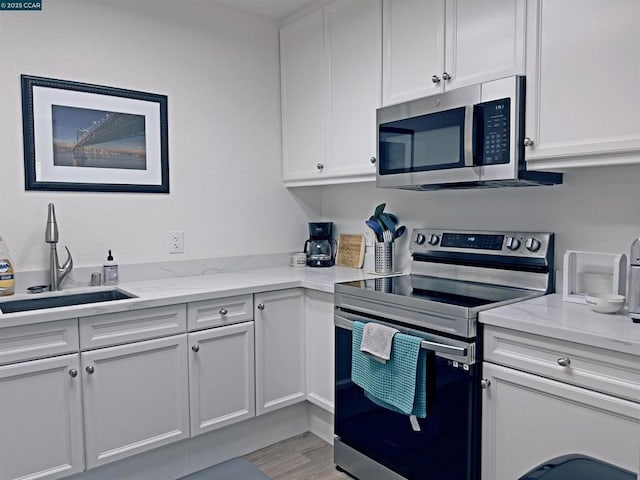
455 274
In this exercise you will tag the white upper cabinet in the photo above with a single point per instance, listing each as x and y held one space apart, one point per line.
412 49
484 40
304 97
331 87
353 47
434 45
574 50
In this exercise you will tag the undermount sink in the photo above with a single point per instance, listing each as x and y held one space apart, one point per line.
41 303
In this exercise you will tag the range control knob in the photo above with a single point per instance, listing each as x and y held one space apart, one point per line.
434 239
532 244
512 243
420 239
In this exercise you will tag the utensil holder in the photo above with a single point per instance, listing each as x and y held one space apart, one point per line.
384 253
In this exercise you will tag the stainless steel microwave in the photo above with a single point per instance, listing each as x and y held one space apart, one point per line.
471 137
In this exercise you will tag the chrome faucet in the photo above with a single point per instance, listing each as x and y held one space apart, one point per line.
56 272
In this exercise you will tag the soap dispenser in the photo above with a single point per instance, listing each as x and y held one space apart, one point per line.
110 271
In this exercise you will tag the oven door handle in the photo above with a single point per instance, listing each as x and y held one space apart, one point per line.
438 347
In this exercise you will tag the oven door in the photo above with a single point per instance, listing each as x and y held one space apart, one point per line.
373 442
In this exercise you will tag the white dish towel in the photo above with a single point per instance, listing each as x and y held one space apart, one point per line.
377 341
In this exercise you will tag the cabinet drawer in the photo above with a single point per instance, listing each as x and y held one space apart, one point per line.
605 371
29 342
132 326
220 311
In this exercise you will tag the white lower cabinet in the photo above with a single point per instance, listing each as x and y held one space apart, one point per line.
135 398
280 349
76 394
550 398
527 420
221 377
319 333
41 419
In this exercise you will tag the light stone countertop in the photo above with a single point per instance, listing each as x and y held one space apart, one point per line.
549 316
167 291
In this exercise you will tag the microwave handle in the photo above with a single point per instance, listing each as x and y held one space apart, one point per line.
468 136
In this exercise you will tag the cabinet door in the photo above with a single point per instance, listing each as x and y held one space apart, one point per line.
583 100
320 348
280 355
304 97
221 377
135 398
412 49
484 40
353 48
41 419
527 420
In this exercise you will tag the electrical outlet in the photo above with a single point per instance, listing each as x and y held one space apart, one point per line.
176 242
368 238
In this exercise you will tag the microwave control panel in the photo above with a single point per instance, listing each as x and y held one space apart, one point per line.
491 130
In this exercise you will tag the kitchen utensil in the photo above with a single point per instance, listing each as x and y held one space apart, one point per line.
387 237
400 231
378 211
373 225
378 220
604 302
388 223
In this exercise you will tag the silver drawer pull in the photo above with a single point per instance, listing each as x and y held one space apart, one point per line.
195 348
90 369
485 383
564 361
223 311
73 372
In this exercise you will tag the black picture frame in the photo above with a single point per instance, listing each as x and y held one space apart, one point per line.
92 138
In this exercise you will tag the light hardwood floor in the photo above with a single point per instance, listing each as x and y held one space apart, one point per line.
303 457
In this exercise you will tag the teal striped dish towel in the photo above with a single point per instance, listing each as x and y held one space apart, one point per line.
399 384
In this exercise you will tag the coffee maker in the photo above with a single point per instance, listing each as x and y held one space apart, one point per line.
320 247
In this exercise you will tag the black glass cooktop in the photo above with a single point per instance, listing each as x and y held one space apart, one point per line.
451 292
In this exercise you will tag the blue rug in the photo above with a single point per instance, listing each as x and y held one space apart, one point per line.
234 469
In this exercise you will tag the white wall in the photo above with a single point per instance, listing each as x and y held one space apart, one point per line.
596 209
219 68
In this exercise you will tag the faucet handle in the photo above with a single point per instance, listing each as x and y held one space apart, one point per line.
66 266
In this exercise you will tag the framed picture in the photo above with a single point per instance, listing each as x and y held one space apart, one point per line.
93 138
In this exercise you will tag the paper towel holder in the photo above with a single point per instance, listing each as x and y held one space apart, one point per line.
618 268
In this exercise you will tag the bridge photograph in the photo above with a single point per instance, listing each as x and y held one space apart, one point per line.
90 138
